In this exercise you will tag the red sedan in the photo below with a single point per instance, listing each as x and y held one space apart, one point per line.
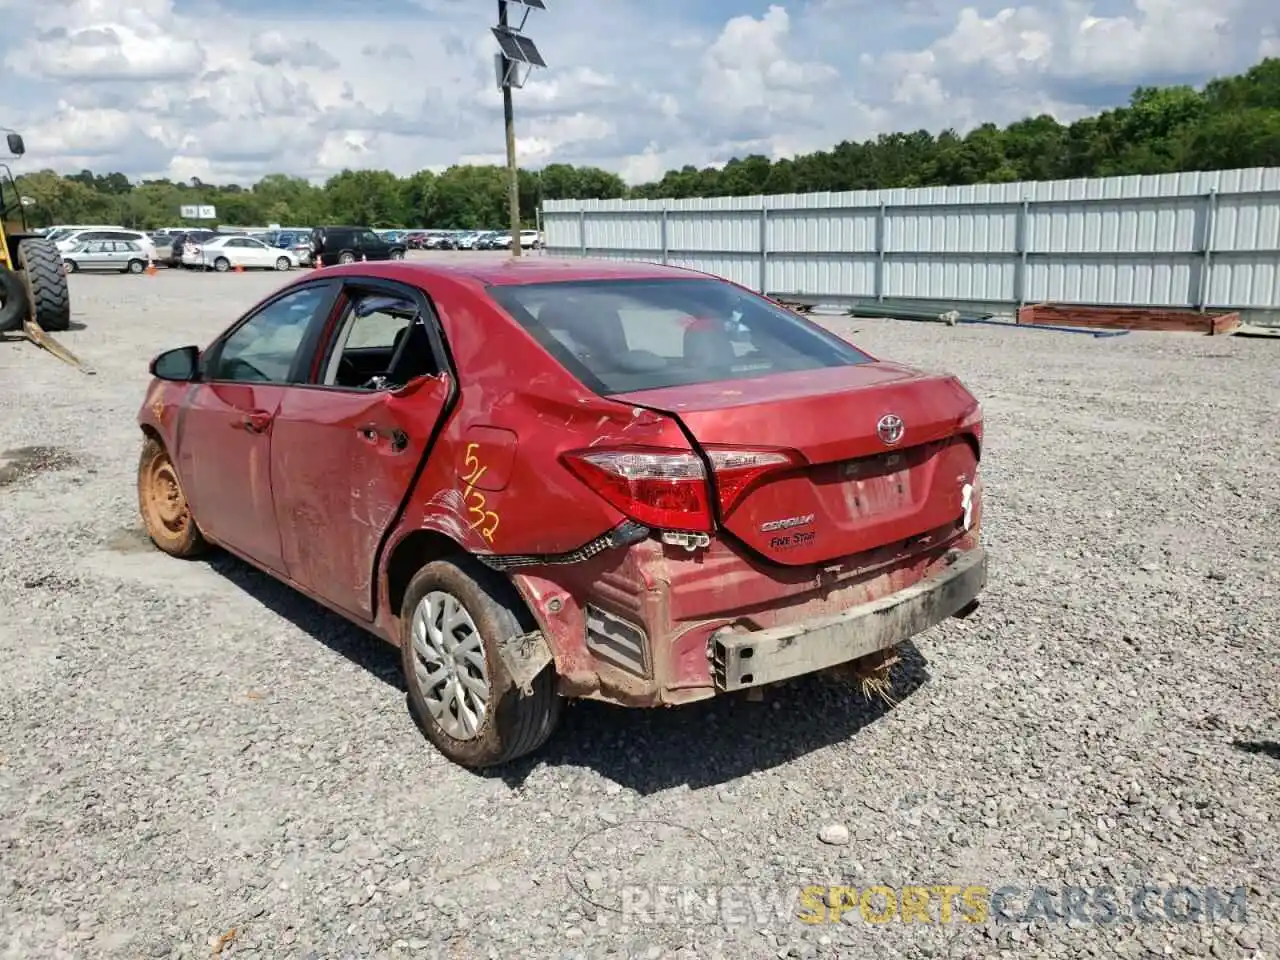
546 479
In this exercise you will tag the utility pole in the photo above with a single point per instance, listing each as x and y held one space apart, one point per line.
515 49
513 169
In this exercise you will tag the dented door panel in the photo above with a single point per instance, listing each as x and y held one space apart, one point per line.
342 465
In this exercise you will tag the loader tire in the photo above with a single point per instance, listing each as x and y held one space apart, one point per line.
41 266
13 301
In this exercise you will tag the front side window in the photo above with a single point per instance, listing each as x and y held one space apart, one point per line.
619 336
263 349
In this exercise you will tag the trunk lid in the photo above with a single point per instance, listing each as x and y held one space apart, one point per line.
854 491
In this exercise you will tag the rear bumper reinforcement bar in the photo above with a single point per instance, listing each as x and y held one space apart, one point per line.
742 660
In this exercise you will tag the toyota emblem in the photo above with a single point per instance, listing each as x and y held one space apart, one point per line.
890 429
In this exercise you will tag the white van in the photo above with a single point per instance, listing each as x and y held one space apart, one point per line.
65 229
143 240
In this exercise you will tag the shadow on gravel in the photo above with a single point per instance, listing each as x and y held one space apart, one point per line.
359 646
698 745
1266 748
715 741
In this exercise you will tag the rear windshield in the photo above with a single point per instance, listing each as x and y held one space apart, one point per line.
619 336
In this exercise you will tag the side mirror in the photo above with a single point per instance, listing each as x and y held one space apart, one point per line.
181 365
16 146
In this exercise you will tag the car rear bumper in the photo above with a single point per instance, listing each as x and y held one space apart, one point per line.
759 657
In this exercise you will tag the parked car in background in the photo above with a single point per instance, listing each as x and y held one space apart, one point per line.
64 230
338 244
143 240
414 239
491 240
121 256
731 496
227 253
298 241
530 239
179 241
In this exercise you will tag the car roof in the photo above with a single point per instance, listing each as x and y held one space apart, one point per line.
522 270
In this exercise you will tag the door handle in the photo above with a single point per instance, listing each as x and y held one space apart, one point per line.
257 421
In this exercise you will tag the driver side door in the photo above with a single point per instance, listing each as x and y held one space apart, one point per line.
227 425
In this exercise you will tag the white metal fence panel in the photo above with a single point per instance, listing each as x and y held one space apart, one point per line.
1207 239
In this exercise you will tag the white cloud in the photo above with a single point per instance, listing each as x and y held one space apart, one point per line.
187 88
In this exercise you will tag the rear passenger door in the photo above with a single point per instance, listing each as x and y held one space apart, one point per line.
348 444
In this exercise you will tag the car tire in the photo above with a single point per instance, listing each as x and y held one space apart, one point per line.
163 504
397 254
283 264
70 266
513 724
222 265
346 258
136 266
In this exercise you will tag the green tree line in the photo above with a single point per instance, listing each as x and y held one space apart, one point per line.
1231 122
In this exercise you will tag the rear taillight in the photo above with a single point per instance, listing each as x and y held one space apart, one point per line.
667 489
737 470
661 488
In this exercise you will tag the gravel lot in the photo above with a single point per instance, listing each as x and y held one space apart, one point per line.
189 749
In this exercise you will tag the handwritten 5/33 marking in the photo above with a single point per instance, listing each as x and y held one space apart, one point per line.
484 519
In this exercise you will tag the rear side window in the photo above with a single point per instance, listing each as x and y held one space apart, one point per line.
619 336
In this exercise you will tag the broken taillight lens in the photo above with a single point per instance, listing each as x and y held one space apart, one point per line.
661 488
667 489
736 470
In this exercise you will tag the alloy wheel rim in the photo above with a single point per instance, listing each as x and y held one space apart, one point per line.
449 665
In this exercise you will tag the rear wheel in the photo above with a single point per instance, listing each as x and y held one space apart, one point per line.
222 264
41 266
163 504
455 613
70 266
397 254
283 263
347 257
136 266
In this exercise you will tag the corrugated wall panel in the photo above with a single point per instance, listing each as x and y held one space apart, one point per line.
845 231
1185 239
840 275
624 231
721 232
1112 281
562 230
951 229
936 278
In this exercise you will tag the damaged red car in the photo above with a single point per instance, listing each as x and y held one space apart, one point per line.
547 479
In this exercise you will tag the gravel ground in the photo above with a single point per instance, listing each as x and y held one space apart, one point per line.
194 760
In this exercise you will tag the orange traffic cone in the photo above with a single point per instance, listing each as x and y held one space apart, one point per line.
151 270
238 268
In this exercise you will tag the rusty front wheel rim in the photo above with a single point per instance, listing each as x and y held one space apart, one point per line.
166 503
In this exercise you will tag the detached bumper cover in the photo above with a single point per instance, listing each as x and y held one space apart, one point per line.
742 660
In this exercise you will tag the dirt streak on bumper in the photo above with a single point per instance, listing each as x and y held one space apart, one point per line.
752 659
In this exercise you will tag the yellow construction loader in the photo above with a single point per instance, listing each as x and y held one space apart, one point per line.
34 297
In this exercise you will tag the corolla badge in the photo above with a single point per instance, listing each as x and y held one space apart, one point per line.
890 429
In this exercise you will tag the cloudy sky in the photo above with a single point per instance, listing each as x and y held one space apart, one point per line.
231 89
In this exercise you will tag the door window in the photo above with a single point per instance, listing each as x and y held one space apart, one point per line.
371 241
381 343
263 349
